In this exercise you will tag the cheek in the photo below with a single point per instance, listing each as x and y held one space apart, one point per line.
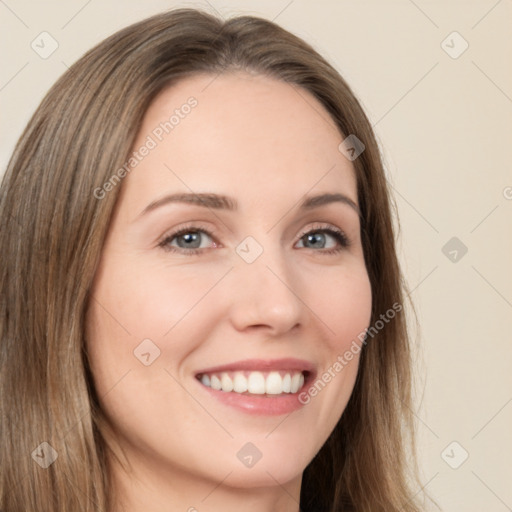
130 314
345 311
148 301
137 309
345 306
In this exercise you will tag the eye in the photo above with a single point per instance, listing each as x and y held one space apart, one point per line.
188 240
317 237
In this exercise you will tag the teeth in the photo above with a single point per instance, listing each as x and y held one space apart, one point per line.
287 383
274 384
226 382
296 384
215 383
240 383
257 383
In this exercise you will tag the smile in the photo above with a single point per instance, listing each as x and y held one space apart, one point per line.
255 382
258 386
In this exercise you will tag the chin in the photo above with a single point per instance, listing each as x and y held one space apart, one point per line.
250 478
272 468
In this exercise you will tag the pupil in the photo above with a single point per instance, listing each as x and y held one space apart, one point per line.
190 237
315 238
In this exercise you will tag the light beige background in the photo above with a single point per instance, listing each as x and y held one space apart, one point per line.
445 127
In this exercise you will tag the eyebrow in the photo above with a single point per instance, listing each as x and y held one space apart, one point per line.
221 202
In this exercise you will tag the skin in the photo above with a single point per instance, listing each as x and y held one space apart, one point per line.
266 144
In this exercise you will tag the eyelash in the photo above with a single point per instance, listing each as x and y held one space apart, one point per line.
339 235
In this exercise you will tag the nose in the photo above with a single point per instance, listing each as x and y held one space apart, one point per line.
266 295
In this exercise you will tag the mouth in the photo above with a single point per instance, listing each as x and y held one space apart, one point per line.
258 386
258 383
259 377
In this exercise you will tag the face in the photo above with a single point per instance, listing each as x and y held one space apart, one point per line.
262 292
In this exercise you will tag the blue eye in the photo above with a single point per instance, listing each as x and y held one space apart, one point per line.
318 236
188 239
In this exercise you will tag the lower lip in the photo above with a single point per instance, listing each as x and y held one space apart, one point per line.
272 405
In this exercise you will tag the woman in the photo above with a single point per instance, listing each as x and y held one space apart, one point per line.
170 340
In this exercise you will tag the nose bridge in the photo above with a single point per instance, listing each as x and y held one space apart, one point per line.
265 286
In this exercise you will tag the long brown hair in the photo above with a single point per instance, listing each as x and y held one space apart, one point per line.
52 231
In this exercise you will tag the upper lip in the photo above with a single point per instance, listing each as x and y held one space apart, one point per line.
261 365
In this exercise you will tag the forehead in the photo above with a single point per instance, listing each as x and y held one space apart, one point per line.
255 136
